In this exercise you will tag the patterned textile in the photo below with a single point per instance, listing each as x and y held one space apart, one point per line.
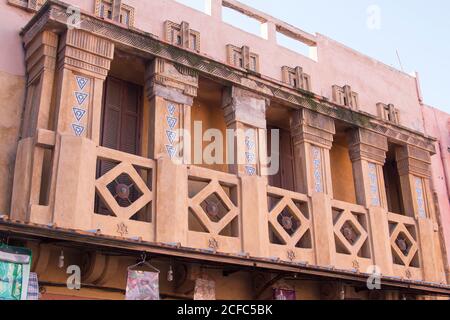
33 287
14 272
142 285
283 294
205 290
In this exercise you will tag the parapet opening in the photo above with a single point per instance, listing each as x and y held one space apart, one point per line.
199 5
292 41
240 19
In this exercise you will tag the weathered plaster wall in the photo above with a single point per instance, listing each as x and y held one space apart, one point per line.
12 92
342 174
211 117
437 124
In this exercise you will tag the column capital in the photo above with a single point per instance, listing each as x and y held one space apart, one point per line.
171 81
312 127
368 145
243 106
86 53
413 160
41 54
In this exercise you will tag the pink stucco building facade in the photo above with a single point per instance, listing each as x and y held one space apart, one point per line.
364 179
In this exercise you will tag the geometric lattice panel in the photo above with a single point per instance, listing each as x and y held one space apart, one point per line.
288 219
404 244
350 232
123 191
213 206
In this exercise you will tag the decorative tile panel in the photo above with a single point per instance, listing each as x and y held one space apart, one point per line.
373 185
317 169
250 153
81 105
420 197
172 125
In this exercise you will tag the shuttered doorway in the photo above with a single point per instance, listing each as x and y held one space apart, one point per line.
122 110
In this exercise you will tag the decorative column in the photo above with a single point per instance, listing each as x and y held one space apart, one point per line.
40 63
83 64
312 134
171 90
245 116
414 169
368 155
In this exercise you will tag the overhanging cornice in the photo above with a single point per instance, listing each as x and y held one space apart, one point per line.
53 16
35 232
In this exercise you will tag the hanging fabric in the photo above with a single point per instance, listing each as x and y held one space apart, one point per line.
15 266
33 287
284 294
205 289
142 285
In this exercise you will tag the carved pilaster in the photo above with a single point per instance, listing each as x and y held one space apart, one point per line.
245 114
32 157
171 90
414 169
83 64
415 172
312 134
368 155
40 63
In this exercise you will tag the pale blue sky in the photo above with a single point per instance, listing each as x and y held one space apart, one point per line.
418 29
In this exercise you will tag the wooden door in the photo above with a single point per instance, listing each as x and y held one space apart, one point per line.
285 177
121 120
121 116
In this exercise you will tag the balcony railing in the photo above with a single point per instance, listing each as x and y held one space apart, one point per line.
115 193
214 210
124 202
290 226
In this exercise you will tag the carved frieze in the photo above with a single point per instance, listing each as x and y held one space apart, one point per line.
115 10
181 35
164 76
413 160
82 50
368 145
242 58
344 96
31 5
388 112
296 78
315 128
